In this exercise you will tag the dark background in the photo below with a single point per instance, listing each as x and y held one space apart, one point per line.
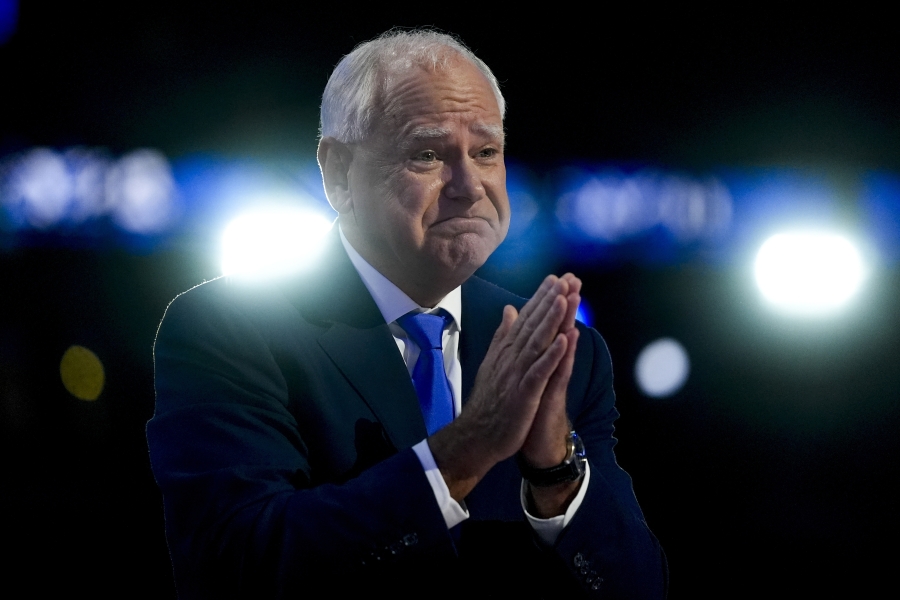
772 472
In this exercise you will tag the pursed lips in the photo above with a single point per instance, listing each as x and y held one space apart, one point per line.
462 222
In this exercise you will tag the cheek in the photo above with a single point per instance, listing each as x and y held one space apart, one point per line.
500 200
418 197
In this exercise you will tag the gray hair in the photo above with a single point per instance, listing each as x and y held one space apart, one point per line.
358 82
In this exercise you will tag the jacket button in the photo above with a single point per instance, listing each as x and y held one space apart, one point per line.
579 559
410 539
596 585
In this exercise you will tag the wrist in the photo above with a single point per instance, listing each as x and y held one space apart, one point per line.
551 501
569 469
457 457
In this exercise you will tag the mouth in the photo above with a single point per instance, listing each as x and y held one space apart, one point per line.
461 219
462 224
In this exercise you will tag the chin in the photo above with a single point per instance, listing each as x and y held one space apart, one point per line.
464 254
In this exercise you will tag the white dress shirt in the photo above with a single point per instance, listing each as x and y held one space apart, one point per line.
393 304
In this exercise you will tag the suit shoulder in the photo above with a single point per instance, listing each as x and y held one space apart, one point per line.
486 292
228 291
210 305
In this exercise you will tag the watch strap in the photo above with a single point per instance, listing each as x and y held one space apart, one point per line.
570 469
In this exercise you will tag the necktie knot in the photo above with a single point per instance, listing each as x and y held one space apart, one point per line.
426 330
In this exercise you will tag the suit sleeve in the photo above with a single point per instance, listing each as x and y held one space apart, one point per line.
243 515
607 546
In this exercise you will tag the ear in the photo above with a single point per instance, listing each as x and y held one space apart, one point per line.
334 161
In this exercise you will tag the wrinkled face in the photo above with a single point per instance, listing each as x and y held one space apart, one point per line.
428 187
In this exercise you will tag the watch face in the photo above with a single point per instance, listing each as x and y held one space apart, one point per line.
579 445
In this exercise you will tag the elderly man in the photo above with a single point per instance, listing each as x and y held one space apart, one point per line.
384 420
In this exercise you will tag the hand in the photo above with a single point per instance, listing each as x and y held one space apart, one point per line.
524 355
545 445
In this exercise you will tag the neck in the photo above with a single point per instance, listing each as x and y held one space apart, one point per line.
425 290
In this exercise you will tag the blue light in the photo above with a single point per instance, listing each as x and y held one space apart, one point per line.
531 249
45 190
612 207
614 215
9 17
880 204
215 190
771 200
585 314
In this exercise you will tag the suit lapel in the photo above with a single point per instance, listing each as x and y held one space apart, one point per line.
482 312
359 343
475 336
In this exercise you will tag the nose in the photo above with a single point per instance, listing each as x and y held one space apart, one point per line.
462 180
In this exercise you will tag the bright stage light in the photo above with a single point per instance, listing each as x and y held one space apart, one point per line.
662 368
272 242
808 273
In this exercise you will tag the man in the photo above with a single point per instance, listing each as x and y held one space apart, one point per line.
363 425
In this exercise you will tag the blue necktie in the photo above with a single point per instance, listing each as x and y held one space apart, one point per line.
428 376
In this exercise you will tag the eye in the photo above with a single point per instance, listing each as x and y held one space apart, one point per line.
488 153
426 156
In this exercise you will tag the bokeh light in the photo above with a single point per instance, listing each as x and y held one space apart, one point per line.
40 188
808 273
44 189
141 191
82 373
613 207
662 368
271 242
88 168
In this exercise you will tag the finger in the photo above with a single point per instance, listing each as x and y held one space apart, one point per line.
530 306
510 315
542 446
572 303
538 375
538 332
574 283
559 380
539 295
541 309
573 298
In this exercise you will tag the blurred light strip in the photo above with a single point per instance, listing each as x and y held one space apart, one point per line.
43 189
613 207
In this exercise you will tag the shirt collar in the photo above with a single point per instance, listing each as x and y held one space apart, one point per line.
391 300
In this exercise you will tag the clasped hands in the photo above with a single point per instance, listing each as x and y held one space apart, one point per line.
518 402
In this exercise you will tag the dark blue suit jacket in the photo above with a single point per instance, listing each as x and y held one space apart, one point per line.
281 442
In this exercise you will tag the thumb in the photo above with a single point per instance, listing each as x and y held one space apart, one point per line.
510 314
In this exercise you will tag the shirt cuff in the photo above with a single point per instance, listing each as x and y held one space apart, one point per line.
548 530
454 512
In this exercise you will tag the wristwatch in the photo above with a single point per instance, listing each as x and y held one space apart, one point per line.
570 469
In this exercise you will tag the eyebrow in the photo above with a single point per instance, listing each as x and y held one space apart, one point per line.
494 131
429 132
432 133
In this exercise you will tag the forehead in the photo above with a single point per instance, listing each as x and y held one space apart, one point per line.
425 101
